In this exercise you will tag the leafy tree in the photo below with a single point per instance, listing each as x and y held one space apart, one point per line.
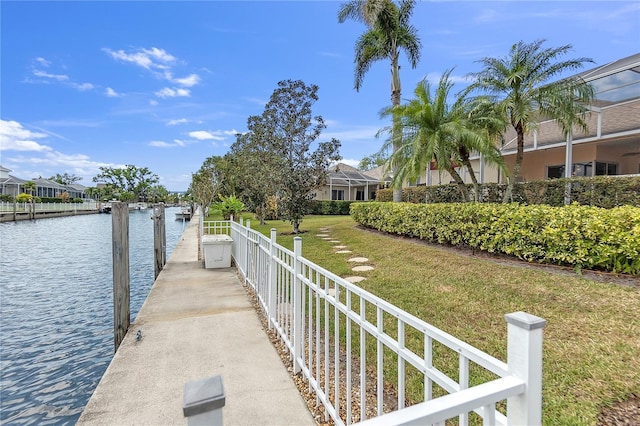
65 179
158 193
519 84
372 161
130 179
30 186
254 159
434 130
206 183
288 129
388 32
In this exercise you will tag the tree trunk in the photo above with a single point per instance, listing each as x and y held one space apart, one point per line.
465 160
461 185
396 133
508 195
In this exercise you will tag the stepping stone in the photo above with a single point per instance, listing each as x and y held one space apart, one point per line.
334 241
344 251
363 268
339 247
358 259
354 280
322 235
332 291
325 238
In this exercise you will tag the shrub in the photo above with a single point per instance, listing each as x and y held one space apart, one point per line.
333 207
24 198
229 206
599 191
580 236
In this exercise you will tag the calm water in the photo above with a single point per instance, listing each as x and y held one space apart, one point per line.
56 325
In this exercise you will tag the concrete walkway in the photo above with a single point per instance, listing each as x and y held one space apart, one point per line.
195 323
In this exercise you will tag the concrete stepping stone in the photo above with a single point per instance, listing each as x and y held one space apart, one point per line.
362 268
358 259
344 251
323 229
334 241
354 279
339 247
322 235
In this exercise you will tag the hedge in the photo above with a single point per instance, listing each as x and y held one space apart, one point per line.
580 236
330 207
599 191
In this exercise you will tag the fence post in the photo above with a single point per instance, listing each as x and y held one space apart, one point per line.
524 358
246 249
159 239
297 304
121 296
272 279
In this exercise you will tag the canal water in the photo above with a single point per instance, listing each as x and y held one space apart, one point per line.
56 309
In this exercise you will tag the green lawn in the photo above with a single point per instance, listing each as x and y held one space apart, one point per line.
592 338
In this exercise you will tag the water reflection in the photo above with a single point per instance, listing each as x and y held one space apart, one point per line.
56 327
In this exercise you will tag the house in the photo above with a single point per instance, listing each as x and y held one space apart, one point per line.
10 185
610 147
349 184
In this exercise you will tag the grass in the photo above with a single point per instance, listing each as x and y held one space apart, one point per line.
592 338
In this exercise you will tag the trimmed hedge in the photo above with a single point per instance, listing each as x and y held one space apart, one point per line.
599 191
330 207
580 236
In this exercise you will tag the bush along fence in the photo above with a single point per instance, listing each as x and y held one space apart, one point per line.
599 191
346 343
579 236
333 207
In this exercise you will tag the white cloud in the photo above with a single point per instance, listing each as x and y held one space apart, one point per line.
177 121
82 86
150 59
162 144
14 137
172 93
153 102
203 135
217 135
44 74
43 62
189 81
109 92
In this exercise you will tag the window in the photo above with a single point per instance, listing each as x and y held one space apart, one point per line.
577 170
359 195
603 169
337 194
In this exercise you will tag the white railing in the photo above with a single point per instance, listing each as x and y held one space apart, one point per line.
41 207
342 338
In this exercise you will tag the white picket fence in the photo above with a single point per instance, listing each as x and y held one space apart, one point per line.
40 207
330 325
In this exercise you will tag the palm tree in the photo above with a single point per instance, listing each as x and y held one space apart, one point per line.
435 131
388 32
519 84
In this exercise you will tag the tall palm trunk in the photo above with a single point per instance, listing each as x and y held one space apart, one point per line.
396 133
508 195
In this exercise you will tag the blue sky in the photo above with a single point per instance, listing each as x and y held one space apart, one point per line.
165 85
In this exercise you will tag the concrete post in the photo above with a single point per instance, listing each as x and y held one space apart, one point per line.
524 358
272 279
297 305
203 401
159 239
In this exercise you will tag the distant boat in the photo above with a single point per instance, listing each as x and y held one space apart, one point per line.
184 214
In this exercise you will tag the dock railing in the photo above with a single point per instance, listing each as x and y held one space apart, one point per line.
346 342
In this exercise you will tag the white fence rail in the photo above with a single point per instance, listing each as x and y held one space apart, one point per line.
346 341
39 207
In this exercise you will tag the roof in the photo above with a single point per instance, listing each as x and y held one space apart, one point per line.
611 67
343 174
